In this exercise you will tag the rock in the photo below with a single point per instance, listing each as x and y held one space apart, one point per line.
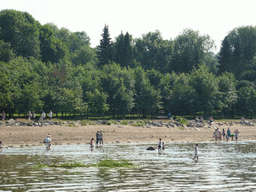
151 148
11 121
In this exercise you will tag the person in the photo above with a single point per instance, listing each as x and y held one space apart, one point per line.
34 115
196 149
91 144
43 115
169 114
242 119
50 114
3 116
223 134
201 119
101 138
48 141
236 134
29 115
228 134
97 137
163 146
216 135
211 119
160 145
1 146
197 120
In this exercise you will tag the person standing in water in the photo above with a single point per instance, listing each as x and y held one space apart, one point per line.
236 134
48 141
91 144
196 149
160 145
228 134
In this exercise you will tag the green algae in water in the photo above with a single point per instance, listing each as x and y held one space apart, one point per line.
106 163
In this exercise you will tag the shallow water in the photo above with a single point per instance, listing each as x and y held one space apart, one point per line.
226 167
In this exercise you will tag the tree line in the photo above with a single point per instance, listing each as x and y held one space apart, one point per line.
46 68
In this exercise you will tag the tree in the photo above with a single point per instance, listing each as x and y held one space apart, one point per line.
153 52
105 50
225 56
6 52
189 49
21 30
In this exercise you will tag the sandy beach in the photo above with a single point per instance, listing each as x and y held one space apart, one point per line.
29 135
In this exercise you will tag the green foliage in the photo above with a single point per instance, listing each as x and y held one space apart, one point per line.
182 120
124 123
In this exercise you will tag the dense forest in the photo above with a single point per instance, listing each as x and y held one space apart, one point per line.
46 68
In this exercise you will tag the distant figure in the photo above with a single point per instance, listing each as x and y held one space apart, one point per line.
211 119
196 149
201 119
242 119
43 115
1 146
160 145
29 115
196 119
91 144
3 116
228 135
101 138
216 135
34 115
48 141
236 134
97 137
169 115
163 146
50 114
223 134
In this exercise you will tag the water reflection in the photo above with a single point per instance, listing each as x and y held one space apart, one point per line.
224 167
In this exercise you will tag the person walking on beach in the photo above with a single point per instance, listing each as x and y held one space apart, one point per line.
236 134
91 144
196 149
48 141
97 137
101 138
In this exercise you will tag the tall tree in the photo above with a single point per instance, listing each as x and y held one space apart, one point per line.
105 50
189 49
225 56
20 29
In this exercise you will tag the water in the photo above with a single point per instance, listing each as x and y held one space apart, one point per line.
226 167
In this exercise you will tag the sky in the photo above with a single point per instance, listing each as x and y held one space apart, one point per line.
137 17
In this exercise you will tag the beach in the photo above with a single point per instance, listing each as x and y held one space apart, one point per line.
34 135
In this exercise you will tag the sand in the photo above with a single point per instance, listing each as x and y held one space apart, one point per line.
25 135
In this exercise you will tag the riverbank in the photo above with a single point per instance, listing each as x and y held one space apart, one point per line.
31 135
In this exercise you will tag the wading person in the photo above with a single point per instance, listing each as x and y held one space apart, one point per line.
91 144
101 138
97 137
160 145
48 141
228 135
236 134
196 149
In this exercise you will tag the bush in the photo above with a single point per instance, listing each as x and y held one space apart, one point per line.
124 123
182 120
108 123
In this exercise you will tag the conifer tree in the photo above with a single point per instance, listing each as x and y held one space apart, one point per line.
105 49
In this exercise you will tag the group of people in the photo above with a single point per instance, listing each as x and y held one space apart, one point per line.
41 118
217 134
99 140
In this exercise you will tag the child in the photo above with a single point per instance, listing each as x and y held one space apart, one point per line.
223 134
236 134
91 144
163 146
160 145
196 156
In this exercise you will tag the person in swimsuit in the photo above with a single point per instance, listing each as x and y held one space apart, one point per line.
91 144
196 149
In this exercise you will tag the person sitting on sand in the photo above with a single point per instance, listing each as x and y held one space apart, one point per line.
242 119
48 141
211 119
201 119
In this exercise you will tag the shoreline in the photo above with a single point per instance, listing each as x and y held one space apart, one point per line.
64 135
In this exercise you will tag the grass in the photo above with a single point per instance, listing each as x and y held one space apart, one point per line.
106 163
